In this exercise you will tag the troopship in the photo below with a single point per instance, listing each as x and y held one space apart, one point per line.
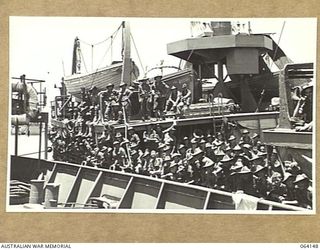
241 95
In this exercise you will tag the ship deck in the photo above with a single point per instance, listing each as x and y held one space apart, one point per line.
78 185
190 121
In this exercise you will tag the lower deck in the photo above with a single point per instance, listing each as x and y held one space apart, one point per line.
71 186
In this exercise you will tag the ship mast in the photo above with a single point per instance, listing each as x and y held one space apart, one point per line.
126 67
76 58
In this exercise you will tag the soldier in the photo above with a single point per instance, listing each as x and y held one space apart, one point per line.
204 163
145 93
169 136
172 175
93 93
209 138
119 137
246 137
260 181
136 163
136 85
154 164
202 145
161 93
306 106
145 159
176 161
245 181
185 100
159 131
216 178
182 150
119 155
274 163
124 102
232 141
237 150
226 163
288 180
186 142
255 138
108 160
110 105
246 148
150 137
191 150
233 177
278 189
134 138
167 150
165 166
85 99
173 101
209 151
303 193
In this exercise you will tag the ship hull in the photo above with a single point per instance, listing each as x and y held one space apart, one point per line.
79 185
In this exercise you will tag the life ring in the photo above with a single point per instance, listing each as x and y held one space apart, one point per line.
32 102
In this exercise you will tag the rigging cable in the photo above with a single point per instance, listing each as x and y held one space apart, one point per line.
84 63
276 50
108 49
135 47
98 43
103 41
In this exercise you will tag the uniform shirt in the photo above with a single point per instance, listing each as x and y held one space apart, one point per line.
145 91
137 165
261 186
277 192
124 96
134 140
110 97
175 97
168 139
161 89
119 155
150 136
186 96
304 197
154 164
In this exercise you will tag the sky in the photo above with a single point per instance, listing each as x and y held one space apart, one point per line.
41 47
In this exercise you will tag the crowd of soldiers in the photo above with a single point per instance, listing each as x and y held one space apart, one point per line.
221 161
224 160
154 98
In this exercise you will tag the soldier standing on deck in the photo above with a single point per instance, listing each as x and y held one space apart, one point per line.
185 100
161 91
145 99
124 102
173 101
109 99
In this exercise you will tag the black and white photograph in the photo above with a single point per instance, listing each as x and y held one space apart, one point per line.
162 115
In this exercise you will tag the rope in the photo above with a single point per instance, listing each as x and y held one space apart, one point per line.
84 62
189 55
103 41
114 34
126 125
135 47
108 49
276 50
162 67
